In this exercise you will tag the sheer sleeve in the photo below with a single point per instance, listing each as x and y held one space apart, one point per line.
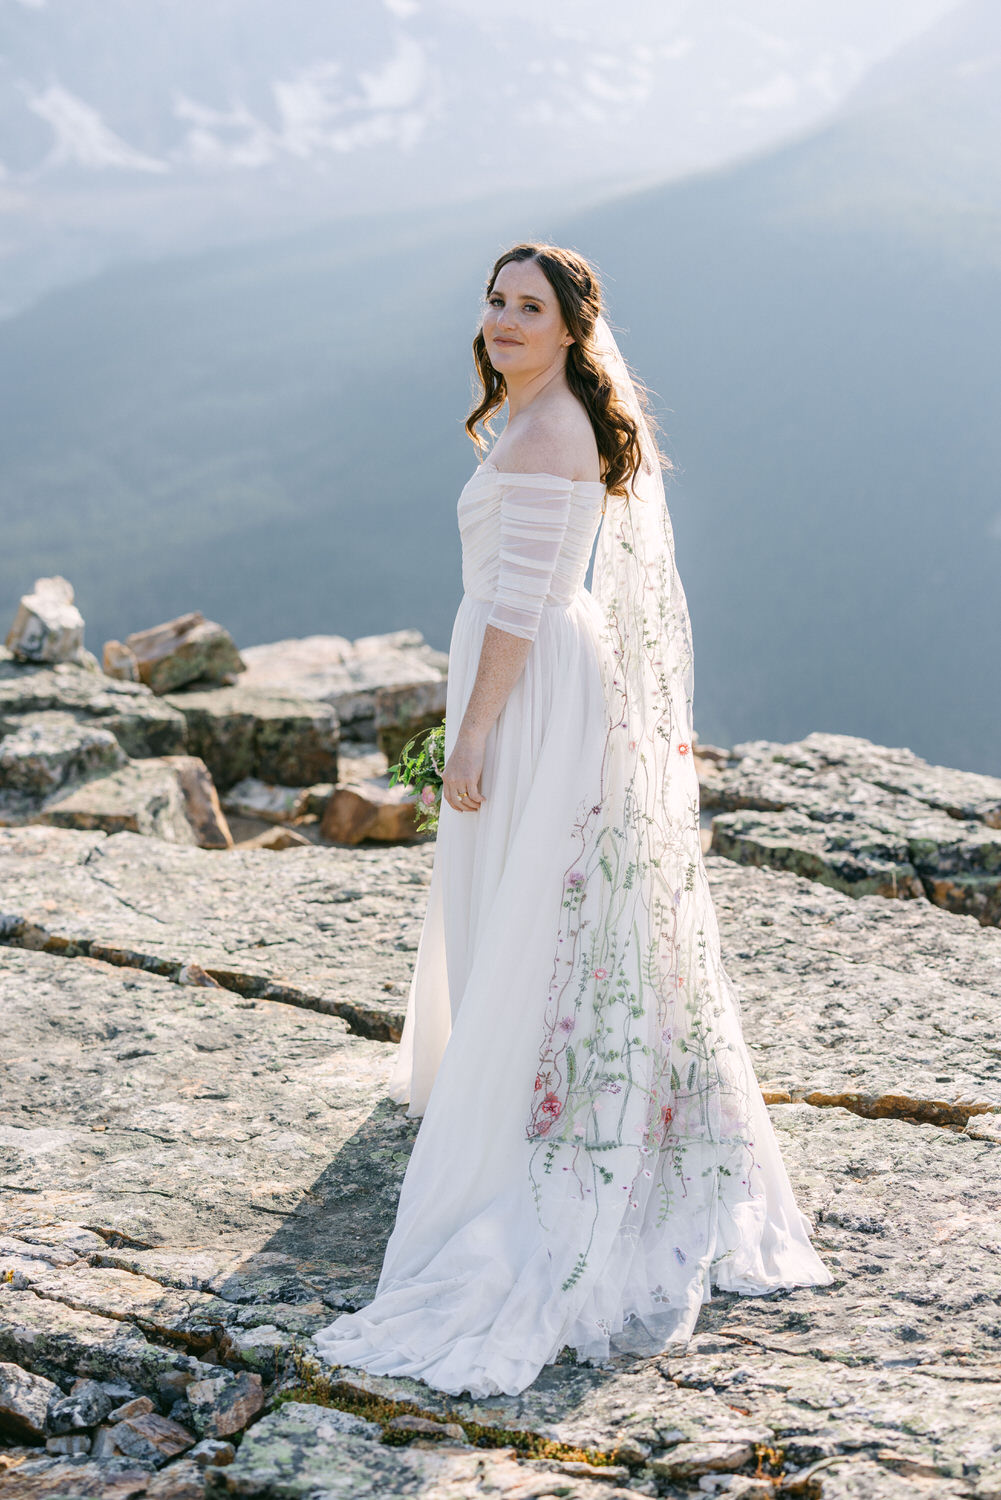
535 510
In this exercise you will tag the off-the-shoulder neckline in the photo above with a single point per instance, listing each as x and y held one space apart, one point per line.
538 474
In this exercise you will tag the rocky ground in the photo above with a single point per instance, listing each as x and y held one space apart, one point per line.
199 1166
189 743
861 818
209 913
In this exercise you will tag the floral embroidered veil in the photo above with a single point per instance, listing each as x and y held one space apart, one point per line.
641 1101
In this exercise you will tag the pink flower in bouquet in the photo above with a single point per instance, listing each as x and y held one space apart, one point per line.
429 796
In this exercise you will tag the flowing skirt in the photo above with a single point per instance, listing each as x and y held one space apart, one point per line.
482 1282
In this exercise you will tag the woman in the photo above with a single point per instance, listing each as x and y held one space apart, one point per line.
594 1153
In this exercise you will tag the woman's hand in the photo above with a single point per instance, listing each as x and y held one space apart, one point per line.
462 772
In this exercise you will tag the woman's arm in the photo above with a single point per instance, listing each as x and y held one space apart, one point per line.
502 658
534 516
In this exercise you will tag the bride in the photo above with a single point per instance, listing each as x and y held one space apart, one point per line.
594 1153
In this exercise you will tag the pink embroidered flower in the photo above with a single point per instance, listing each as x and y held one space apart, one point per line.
667 1114
575 878
683 749
601 973
540 1082
429 796
681 980
632 744
567 1023
578 1131
551 1106
609 1086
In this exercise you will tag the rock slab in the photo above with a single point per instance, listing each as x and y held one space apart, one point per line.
863 818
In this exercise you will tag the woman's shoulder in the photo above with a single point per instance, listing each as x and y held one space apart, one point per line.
558 440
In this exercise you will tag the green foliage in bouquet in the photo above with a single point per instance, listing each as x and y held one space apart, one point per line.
421 774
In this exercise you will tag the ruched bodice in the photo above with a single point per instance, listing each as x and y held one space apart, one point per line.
526 541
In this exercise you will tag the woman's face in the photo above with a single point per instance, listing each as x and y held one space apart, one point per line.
522 323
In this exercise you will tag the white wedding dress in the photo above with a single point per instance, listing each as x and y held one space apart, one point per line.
585 1195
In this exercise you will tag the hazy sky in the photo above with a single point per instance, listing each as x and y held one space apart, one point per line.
875 24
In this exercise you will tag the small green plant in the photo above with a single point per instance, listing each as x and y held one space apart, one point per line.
420 772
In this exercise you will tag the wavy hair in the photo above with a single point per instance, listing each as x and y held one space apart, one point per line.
575 284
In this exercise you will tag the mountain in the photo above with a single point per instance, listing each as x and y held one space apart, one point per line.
825 347
130 130
274 434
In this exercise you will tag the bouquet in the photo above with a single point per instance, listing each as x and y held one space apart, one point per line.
421 772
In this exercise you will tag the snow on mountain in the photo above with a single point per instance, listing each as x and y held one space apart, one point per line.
205 85
79 135
129 128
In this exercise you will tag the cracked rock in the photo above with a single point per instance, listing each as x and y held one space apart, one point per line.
68 1443
242 731
212 1452
360 679
186 649
48 626
224 1404
863 818
689 1460
24 1401
149 1437
295 1451
198 1174
45 751
141 723
89 1402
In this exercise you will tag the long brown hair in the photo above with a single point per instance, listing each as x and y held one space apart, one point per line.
578 293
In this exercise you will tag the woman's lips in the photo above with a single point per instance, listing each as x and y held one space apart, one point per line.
507 341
